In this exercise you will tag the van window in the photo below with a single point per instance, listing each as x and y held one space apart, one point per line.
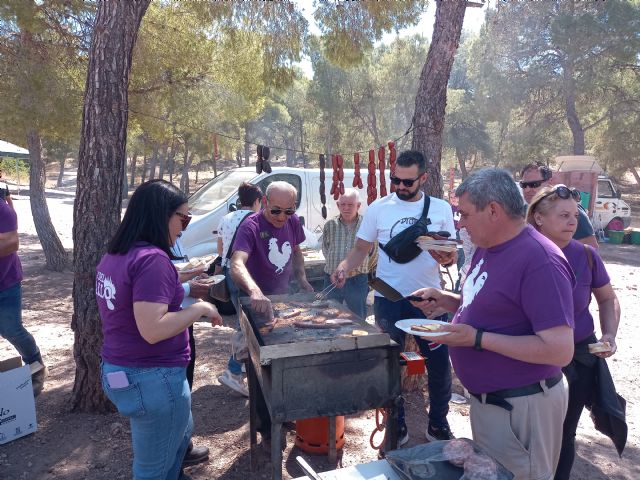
605 189
218 190
283 177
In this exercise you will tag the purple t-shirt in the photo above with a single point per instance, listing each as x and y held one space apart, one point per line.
270 251
519 287
10 266
143 274
586 279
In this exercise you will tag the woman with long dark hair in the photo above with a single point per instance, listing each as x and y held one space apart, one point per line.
146 344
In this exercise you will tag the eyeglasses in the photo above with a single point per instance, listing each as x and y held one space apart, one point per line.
185 219
287 211
534 184
407 182
564 193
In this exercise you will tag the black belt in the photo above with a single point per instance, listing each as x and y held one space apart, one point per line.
498 397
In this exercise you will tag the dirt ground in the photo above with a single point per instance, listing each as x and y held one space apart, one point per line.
83 446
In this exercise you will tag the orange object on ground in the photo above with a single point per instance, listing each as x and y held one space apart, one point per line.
312 434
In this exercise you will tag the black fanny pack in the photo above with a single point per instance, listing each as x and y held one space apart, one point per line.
402 248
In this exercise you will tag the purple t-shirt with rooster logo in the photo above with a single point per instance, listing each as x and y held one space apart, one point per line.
270 251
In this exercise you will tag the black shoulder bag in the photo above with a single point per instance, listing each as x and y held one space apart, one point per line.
402 248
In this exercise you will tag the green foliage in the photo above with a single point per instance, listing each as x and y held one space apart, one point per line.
9 170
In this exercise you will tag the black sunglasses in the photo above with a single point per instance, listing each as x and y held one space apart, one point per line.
564 193
407 182
287 211
534 184
185 219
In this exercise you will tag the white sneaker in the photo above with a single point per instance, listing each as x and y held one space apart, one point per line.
234 382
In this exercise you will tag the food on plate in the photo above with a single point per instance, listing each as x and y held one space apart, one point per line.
480 467
599 347
430 327
359 333
196 262
457 451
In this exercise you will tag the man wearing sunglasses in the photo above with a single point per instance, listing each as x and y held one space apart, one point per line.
534 176
266 254
385 218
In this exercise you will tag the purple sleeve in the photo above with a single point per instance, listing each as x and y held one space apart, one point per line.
599 275
153 279
547 294
298 232
8 219
245 237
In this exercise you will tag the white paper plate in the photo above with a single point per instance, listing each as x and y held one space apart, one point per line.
405 325
182 265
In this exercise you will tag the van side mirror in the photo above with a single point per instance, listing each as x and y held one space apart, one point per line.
233 207
619 194
301 221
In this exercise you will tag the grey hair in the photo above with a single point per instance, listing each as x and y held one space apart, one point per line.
351 192
493 185
281 186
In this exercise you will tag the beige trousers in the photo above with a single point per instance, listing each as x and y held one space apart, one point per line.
527 439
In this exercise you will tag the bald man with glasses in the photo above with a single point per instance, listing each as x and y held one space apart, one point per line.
535 176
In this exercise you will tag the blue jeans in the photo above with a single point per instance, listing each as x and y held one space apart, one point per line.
438 367
354 293
11 326
157 402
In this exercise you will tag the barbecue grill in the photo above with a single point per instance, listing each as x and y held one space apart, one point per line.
307 373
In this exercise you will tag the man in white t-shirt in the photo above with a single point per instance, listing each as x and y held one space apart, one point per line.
384 219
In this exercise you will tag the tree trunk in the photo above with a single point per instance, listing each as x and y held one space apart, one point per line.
124 192
184 179
162 164
247 146
61 172
101 162
239 158
431 99
134 159
634 172
462 163
144 168
54 253
569 86
154 161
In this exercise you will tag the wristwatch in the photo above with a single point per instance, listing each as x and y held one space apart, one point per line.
478 343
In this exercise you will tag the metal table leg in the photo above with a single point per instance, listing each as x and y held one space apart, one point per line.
333 454
252 380
276 451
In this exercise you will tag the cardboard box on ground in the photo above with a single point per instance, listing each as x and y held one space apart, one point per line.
17 405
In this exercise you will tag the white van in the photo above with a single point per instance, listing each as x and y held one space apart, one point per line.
220 196
607 210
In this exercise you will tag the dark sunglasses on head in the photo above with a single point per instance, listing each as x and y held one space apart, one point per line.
287 211
185 219
564 193
534 184
407 182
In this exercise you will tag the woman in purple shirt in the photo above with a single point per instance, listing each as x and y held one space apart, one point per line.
554 213
146 344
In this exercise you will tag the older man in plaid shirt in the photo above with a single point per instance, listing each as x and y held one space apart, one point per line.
338 238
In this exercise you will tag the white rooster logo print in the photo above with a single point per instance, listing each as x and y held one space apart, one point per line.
279 257
106 289
473 284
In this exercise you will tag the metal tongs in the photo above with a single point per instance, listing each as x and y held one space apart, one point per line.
326 291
